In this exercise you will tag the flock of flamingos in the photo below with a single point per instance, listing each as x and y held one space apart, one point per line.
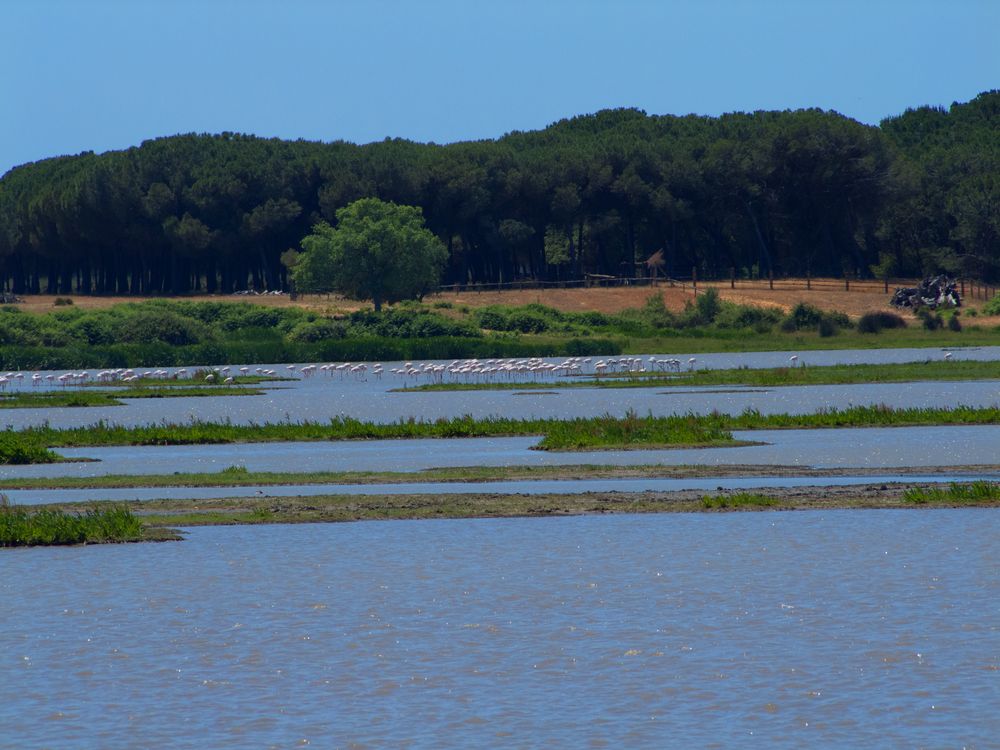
466 370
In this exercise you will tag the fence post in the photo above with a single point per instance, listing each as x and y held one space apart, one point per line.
847 283
885 284
732 277
808 280
961 285
694 279
770 278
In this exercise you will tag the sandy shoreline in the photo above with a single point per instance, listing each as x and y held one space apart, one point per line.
343 508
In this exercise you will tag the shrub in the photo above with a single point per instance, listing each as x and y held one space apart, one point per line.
317 330
234 317
839 319
142 324
491 320
803 316
761 319
873 322
708 305
931 321
93 329
530 319
992 307
17 449
61 301
528 322
591 318
827 327
954 324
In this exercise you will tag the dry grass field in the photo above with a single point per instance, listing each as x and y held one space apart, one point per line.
827 294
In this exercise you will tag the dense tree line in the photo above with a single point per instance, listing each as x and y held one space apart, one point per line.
784 192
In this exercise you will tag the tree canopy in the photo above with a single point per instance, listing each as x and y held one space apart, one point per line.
792 192
378 250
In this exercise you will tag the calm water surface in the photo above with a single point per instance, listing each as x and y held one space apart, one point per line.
773 630
878 448
335 399
322 397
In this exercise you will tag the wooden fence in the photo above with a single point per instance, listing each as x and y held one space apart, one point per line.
971 289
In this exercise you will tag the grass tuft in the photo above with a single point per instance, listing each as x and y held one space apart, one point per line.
737 500
973 493
20 527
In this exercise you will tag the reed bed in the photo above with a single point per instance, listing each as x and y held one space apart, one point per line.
558 434
18 448
20 527
874 415
631 431
737 500
972 493
70 399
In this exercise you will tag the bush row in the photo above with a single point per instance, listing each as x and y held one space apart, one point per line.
369 349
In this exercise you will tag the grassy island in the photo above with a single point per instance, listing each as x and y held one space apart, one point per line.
33 444
149 520
23 527
343 508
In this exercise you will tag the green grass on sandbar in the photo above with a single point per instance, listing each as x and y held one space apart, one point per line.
74 398
31 444
957 494
737 500
20 527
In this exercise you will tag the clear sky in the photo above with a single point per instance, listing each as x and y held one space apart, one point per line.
79 75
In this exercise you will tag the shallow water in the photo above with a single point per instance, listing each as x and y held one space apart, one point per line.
322 397
881 448
781 630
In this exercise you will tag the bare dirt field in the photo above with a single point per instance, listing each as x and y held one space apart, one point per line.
827 294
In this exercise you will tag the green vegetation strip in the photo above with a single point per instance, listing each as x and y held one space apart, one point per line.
239 476
21 527
63 399
738 500
32 444
156 516
769 377
975 493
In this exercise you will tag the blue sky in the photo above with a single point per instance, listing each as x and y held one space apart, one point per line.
97 75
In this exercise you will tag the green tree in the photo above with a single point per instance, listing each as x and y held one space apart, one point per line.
378 250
